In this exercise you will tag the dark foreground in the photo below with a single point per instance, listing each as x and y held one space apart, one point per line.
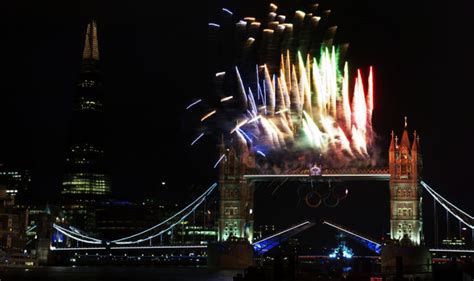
114 274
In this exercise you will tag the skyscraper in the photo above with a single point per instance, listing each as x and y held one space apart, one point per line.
85 174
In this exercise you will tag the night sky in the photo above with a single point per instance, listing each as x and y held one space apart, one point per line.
155 61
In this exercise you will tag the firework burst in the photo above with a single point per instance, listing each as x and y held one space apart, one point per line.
288 91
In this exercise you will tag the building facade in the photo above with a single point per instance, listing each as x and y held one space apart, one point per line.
405 165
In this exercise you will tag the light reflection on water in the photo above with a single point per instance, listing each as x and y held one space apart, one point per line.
115 273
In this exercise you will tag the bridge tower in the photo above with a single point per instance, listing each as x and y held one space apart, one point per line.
236 195
233 250
406 255
405 165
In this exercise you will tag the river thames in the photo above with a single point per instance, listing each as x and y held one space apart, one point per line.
114 273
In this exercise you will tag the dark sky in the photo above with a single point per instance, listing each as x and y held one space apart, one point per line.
154 59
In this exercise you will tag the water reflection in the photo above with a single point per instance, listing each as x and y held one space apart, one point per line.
115 274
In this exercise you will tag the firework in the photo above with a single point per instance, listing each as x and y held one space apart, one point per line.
290 90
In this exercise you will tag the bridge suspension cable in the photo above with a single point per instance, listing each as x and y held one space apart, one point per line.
76 235
198 201
162 231
449 203
465 218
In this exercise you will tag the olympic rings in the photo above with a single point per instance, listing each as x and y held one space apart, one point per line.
329 195
310 196
328 204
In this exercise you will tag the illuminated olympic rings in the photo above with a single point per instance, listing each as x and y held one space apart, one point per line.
330 197
328 202
310 196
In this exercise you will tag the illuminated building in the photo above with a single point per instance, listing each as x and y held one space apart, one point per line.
200 230
17 182
119 218
405 191
85 179
12 224
195 234
454 242
85 174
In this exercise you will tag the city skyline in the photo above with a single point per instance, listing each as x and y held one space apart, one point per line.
142 136
290 139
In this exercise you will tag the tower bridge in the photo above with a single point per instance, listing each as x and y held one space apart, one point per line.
404 173
86 178
236 205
